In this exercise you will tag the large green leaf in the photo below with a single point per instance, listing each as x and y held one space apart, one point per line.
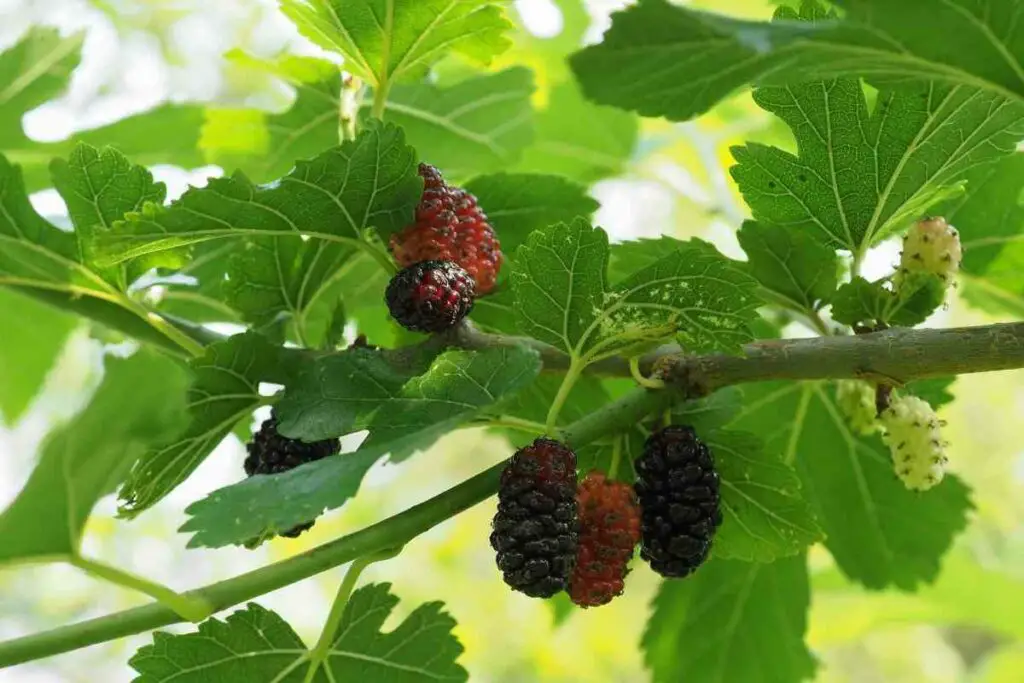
384 41
647 60
990 218
138 406
224 391
368 182
765 516
880 533
257 646
795 269
586 153
401 416
28 349
732 621
478 125
692 293
862 173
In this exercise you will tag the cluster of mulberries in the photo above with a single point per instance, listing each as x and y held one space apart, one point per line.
449 256
856 398
270 452
912 432
551 534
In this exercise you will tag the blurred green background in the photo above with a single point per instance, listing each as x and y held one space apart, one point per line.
967 627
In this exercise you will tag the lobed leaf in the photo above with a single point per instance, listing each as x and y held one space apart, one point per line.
647 60
257 646
138 406
880 533
732 621
347 392
224 392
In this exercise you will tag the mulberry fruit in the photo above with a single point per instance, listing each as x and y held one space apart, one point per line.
449 226
271 453
856 399
536 531
677 487
431 296
912 432
609 531
931 246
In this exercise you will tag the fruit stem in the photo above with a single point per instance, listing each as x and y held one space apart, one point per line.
511 422
190 607
613 468
380 256
648 382
318 655
571 376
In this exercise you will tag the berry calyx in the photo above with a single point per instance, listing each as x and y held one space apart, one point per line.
536 530
913 434
677 487
270 452
856 399
609 531
449 226
931 246
431 296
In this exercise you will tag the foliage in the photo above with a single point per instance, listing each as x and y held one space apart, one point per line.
880 111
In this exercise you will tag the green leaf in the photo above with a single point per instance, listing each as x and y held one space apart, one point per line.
28 349
33 71
632 255
705 298
990 218
344 397
880 533
585 153
861 174
559 284
478 125
265 145
765 517
138 406
647 60
38 68
99 188
732 621
796 269
860 302
257 646
385 41
368 182
692 293
516 204
224 391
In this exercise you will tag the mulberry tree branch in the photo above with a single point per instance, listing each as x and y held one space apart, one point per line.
895 355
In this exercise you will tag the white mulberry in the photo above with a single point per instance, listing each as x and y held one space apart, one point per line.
912 432
856 399
931 246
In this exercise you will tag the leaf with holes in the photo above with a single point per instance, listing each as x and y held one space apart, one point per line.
224 391
880 533
385 41
262 648
732 621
